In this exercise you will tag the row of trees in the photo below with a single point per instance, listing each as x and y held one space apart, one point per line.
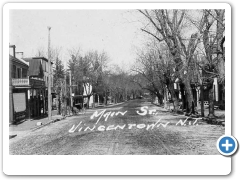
185 46
91 74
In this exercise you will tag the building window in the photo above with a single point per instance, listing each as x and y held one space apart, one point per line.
24 73
44 66
14 71
19 73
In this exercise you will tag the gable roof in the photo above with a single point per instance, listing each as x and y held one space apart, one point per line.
20 61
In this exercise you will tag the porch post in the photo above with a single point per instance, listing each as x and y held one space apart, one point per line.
98 99
27 104
197 89
43 101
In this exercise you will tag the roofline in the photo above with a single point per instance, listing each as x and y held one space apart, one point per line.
40 57
21 61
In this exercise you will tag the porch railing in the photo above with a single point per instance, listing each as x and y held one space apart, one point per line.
20 82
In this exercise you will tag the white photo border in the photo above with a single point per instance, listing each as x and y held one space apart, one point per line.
117 164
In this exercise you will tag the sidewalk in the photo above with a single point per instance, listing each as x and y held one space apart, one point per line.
30 125
220 114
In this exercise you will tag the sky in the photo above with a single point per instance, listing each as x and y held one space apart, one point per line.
117 32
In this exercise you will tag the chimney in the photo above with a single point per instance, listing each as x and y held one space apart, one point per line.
14 49
19 55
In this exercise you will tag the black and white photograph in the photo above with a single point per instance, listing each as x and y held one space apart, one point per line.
116 82
93 79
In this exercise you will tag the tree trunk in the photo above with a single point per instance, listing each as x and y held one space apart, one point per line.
174 97
119 98
159 96
202 101
105 99
58 104
189 95
211 102
88 100
160 100
165 98
93 105
184 106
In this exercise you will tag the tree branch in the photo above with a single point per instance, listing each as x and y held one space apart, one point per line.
181 19
146 14
160 40
209 12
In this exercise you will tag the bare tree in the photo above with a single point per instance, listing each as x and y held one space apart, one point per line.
213 34
167 27
211 51
156 66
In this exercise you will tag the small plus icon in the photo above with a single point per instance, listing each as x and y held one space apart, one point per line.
227 145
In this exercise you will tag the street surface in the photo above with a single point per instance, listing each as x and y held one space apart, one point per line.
134 127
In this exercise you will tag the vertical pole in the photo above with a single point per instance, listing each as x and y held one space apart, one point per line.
98 100
197 91
28 104
44 105
11 109
65 95
49 78
217 90
214 95
37 104
31 103
70 83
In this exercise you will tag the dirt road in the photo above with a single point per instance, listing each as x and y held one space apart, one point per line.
134 127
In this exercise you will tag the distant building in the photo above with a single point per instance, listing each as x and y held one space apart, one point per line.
87 89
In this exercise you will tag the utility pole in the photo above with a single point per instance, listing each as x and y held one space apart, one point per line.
49 78
70 83
65 95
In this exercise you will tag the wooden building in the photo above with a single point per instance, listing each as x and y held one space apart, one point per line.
27 87
38 93
19 85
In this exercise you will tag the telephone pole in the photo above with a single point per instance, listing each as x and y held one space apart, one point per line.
70 83
65 94
49 78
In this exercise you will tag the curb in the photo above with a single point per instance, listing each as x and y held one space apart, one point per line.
52 121
214 121
111 105
105 106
